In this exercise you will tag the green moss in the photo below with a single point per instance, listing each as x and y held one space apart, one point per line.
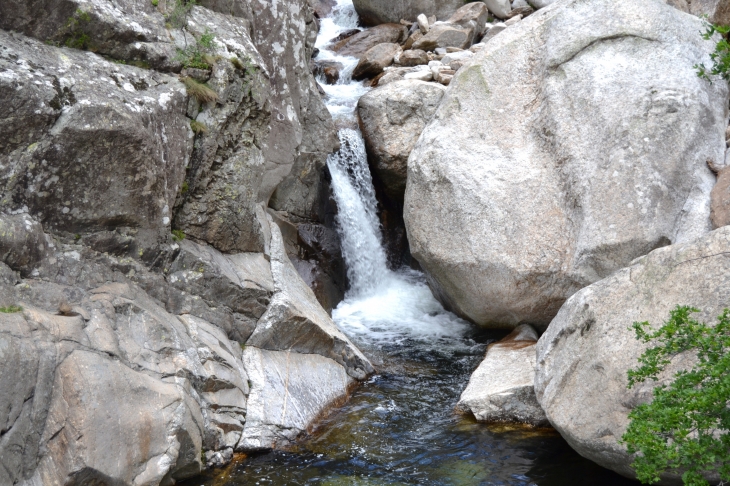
76 37
178 235
11 309
198 127
185 187
155 2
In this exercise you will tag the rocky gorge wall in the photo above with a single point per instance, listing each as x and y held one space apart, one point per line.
151 320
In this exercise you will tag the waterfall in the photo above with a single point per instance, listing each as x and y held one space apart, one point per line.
357 219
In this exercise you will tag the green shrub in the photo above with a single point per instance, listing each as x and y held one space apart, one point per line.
720 58
178 235
11 309
197 55
685 428
199 91
75 37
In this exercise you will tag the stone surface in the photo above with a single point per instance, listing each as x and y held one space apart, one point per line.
583 358
717 11
288 391
358 44
391 120
472 15
538 4
445 35
296 322
720 199
500 8
375 60
375 12
604 184
413 57
51 162
502 387
422 22
493 30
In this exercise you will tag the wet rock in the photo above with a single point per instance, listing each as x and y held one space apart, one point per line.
583 358
593 212
375 60
376 12
295 322
322 8
359 44
502 387
345 35
445 35
413 57
391 120
329 70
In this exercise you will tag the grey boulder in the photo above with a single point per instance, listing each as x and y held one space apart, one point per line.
534 179
358 44
446 35
502 387
584 356
391 120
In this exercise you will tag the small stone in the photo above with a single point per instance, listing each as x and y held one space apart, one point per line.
413 57
420 75
513 20
500 8
422 24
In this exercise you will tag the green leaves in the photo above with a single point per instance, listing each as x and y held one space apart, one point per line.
685 428
720 58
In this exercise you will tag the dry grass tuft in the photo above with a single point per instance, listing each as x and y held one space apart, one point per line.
199 91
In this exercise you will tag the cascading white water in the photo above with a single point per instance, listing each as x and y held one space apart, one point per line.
381 305
357 221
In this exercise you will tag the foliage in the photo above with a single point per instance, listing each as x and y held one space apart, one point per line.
155 3
197 127
178 235
197 55
199 91
685 428
11 309
721 56
185 187
177 18
76 37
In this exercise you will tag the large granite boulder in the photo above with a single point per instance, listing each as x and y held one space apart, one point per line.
392 118
584 356
502 387
375 12
375 60
357 45
543 171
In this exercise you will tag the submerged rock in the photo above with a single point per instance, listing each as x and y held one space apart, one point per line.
584 356
543 172
502 387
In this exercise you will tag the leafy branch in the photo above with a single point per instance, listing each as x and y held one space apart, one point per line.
720 57
684 430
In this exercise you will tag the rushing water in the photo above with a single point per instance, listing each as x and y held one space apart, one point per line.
400 426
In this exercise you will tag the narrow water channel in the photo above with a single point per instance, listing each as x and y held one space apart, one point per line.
400 427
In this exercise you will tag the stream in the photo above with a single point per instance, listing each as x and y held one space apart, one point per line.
399 427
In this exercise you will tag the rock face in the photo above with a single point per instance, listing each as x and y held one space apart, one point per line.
583 357
121 341
391 120
717 11
502 387
375 12
531 116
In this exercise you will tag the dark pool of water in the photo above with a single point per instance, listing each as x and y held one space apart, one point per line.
400 428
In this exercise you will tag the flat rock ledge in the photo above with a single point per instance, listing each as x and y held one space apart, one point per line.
502 387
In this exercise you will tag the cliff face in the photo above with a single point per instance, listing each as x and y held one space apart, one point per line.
124 348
